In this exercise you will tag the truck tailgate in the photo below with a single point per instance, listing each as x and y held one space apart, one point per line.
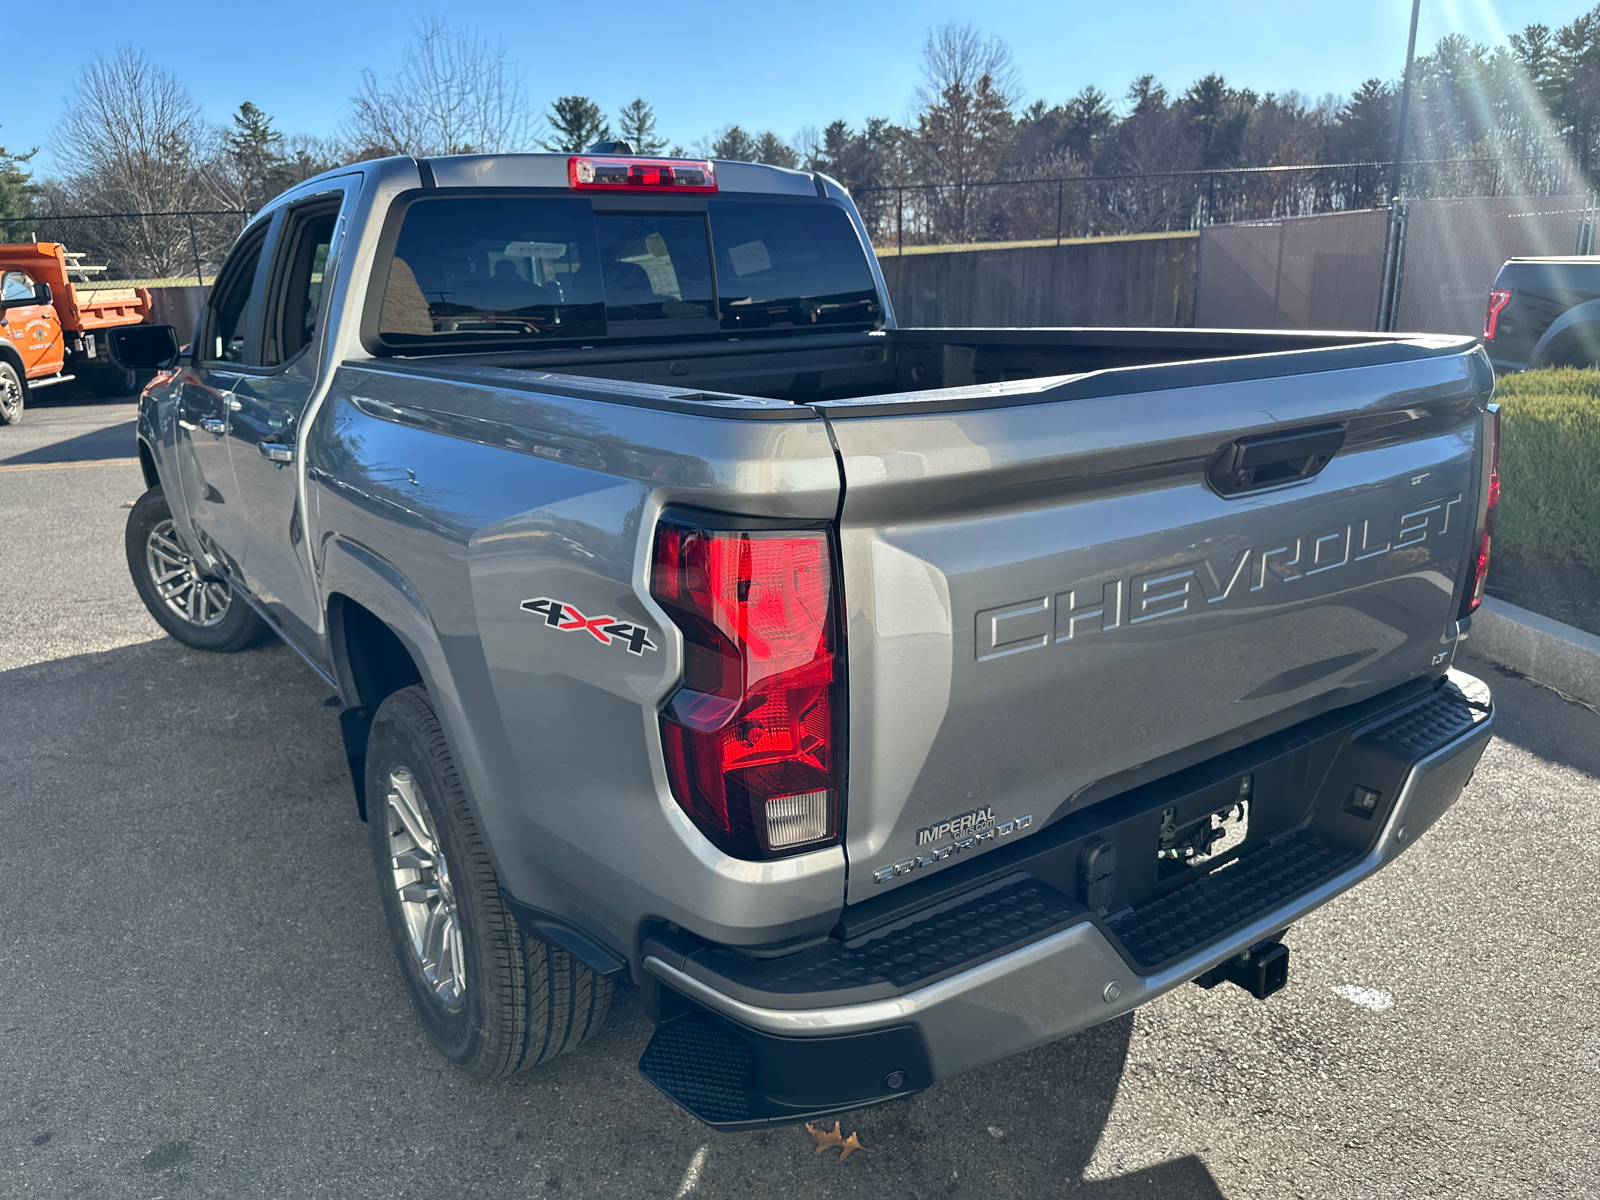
1044 595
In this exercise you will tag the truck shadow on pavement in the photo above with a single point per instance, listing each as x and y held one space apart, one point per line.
113 441
203 996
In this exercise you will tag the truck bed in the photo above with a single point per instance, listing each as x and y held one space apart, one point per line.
838 366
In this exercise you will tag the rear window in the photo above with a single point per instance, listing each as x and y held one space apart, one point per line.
493 269
471 271
786 265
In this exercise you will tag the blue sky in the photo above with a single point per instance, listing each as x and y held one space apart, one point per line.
710 63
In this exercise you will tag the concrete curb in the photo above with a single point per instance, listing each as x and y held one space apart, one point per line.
1544 650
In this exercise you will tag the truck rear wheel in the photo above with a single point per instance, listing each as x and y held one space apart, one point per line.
13 394
201 613
113 381
493 1000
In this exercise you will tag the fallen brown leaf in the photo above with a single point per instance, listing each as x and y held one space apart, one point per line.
827 1139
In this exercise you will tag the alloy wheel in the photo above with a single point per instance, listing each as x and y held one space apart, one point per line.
422 884
201 602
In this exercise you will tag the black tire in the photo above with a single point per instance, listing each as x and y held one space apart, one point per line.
106 382
237 627
13 394
522 1002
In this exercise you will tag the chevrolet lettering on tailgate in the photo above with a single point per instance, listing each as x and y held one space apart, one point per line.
1137 599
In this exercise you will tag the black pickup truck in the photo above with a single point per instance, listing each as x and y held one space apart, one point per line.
1544 312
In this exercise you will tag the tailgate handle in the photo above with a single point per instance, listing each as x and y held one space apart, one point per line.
1251 464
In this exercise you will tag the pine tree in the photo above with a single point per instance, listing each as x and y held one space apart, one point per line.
255 149
1217 116
735 145
774 151
1089 119
16 194
1366 124
636 125
576 123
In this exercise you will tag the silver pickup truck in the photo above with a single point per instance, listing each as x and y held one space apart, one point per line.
881 702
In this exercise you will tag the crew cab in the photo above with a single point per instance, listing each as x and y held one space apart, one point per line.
1544 312
882 702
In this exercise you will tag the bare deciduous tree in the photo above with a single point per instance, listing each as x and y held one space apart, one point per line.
965 123
131 142
455 92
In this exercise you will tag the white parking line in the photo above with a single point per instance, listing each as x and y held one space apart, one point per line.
691 1177
1369 998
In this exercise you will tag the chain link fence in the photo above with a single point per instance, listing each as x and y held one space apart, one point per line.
1058 209
151 249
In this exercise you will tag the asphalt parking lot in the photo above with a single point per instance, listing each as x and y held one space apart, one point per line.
198 998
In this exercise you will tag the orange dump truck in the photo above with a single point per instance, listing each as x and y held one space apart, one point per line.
53 328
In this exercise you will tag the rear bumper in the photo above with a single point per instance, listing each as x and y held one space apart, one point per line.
1062 983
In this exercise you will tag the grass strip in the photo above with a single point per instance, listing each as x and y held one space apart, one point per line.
1550 465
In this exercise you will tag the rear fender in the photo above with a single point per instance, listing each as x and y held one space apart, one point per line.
354 575
1574 335
352 571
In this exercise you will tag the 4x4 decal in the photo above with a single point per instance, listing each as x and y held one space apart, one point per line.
558 614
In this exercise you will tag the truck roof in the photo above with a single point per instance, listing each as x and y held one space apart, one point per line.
550 171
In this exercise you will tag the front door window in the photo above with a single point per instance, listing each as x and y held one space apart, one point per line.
16 286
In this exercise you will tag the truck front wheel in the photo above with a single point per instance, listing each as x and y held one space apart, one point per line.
13 393
493 1000
199 612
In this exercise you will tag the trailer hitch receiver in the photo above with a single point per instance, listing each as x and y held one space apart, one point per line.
1260 970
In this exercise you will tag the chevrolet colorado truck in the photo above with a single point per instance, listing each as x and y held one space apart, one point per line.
881 702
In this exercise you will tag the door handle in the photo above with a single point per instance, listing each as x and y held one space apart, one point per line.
214 425
276 452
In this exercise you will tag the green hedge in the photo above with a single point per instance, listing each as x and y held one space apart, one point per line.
1550 465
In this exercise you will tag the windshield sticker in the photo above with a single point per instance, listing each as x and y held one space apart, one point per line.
568 618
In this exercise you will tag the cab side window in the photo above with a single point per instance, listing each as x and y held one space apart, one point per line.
14 285
226 338
298 272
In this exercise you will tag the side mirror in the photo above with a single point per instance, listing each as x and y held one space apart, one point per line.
42 293
143 347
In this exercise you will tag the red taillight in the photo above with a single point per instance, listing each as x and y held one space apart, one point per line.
751 737
1481 576
593 172
1497 300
